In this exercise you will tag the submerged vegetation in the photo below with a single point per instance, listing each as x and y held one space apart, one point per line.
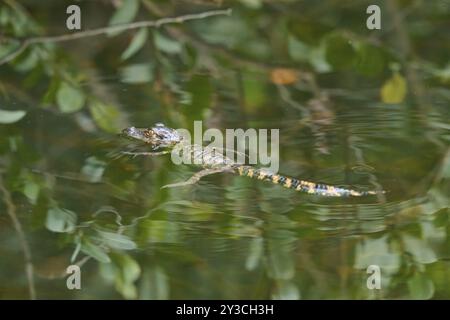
355 107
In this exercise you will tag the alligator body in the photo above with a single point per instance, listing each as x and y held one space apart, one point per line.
163 140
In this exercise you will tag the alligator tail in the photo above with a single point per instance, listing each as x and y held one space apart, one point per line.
301 185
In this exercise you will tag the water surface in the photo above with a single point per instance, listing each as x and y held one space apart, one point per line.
227 237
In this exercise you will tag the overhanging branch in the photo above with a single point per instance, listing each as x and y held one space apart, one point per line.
105 30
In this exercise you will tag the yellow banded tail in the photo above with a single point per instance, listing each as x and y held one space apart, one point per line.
301 185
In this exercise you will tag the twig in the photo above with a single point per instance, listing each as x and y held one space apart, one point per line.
11 210
110 29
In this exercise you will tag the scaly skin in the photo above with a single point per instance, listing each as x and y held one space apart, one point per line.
300 185
162 137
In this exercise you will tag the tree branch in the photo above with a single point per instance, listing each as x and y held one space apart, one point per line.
105 30
11 211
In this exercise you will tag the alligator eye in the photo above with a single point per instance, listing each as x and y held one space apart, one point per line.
148 133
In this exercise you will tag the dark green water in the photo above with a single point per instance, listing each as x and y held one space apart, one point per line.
231 237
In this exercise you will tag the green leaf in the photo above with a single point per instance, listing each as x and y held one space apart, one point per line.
298 50
127 272
255 91
136 44
420 287
69 98
377 251
130 268
445 172
443 73
318 60
201 90
108 271
7 48
50 94
339 51
154 285
106 116
166 44
160 231
117 240
95 251
442 218
370 60
137 73
28 62
421 250
23 24
122 272
253 4
31 191
60 220
286 290
11 116
303 52
394 89
226 31
5 15
124 14
93 169
281 264
255 253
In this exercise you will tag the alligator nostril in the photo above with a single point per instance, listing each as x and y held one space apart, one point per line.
129 130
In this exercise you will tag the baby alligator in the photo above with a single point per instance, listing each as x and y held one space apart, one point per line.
166 139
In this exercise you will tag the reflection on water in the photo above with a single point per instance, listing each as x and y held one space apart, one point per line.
80 202
226 237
